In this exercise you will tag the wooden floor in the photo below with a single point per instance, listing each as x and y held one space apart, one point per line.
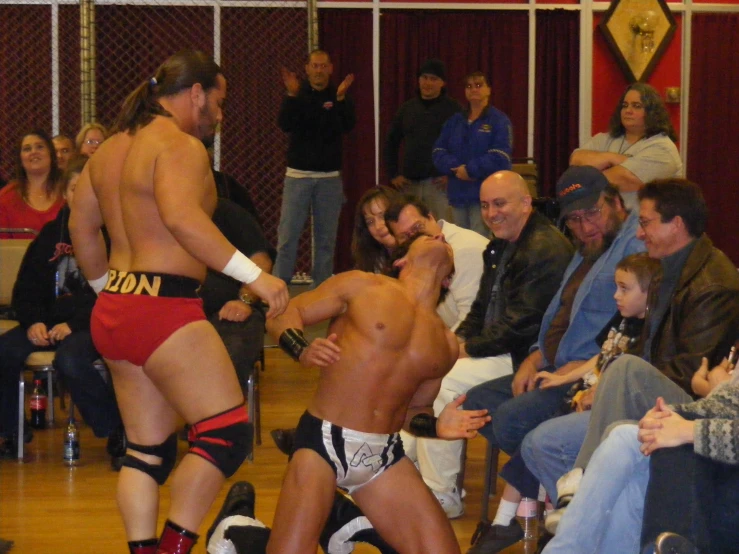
46 507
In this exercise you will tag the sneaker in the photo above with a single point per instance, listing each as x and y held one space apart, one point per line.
284 439
240 500
567 486
672 543
451 502
493 538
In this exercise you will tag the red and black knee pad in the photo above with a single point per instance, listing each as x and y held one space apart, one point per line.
224 439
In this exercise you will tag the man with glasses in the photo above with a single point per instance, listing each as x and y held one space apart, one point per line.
604 233
316 115
523 266
695 316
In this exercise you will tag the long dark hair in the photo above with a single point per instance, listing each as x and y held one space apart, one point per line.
368 254
179 72
52 180
656 117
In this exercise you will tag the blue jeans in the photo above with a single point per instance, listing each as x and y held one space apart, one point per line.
512 417
470 217
606 513
93 396
550 450
324 196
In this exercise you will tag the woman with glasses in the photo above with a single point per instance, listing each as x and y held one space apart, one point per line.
472 146
33 197
639 145
90 137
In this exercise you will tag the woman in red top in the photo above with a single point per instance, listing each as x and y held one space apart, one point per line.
32 198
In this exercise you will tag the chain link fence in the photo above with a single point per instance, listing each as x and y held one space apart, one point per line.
45 65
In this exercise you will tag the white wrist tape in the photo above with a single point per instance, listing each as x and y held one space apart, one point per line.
99 283
242 268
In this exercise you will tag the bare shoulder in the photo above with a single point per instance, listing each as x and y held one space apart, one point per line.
349 283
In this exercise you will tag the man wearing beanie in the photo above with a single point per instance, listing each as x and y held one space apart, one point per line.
418 123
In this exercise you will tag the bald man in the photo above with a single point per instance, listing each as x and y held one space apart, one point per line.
523 266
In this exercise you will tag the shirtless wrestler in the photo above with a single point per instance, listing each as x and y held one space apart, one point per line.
152 187
382 366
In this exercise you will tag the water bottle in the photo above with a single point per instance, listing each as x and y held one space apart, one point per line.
528 510
71 443
39 401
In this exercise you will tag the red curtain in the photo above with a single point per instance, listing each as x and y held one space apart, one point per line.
347 36
557 93
714 119
495 43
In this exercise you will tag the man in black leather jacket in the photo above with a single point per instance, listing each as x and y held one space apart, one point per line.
523 267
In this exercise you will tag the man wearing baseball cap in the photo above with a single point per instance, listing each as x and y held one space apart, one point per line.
604 233
418 123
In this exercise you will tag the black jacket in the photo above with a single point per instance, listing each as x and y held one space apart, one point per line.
50 288
316 122
419 123
532 276
703 316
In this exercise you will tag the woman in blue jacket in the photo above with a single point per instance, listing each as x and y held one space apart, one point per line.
472 146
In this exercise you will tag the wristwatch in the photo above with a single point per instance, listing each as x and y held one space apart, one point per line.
246 299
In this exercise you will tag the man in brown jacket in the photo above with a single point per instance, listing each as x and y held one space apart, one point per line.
694 316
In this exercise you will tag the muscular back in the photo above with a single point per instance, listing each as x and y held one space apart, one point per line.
164 178
390 346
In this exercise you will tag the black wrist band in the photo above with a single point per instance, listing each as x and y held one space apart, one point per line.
423 425
293 342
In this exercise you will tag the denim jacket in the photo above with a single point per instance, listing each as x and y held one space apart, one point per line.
594 304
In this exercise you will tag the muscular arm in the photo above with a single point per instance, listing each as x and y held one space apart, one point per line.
181 178
85 225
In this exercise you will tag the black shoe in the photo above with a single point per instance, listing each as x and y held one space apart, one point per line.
116 446
494 538
672 543
284 439
5 546
239 501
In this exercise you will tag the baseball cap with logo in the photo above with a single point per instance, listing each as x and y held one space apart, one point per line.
579 189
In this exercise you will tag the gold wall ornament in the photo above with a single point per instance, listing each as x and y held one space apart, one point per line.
638 32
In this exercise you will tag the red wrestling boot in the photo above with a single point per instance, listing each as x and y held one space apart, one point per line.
148 546
176 540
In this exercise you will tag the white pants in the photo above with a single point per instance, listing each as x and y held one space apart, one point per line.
440 460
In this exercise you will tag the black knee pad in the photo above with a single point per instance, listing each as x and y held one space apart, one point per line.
167 451
224 439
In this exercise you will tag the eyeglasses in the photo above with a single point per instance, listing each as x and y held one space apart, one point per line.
93 142
590 216
644 222
474 85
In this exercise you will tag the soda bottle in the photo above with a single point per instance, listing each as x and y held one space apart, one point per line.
528 517
71 443
38 405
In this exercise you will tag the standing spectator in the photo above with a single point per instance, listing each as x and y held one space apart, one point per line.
316 115
64 148
90 137
639 146
473 145
417 125
33 198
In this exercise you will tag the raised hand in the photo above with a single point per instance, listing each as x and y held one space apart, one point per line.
292 84
454 423
344 86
